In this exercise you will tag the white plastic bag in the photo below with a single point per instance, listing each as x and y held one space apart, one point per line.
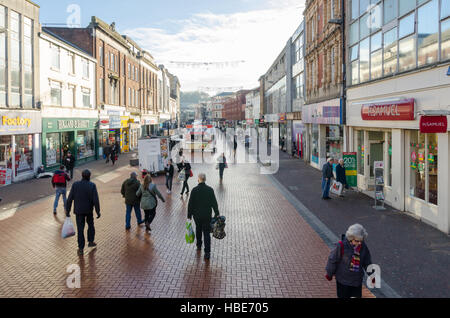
182 176
336 188
68 229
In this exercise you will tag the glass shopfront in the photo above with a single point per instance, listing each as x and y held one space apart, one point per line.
315 144
85 144
335 142
24 154
6 152
53 149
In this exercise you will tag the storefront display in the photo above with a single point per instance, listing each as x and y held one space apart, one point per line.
85 144
24 154
53 149
335 142
315 144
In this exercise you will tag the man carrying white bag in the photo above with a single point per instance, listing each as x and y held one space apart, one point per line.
68 230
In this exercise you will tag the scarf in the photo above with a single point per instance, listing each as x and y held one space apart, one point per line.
354 264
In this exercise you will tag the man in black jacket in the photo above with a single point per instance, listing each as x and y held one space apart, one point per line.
202 202
327 175
69 162
85 197
129 189
169 170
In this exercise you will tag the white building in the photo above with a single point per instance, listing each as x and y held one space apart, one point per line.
68 97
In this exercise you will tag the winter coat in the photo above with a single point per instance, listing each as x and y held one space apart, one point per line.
129 189
327 171
148 197
170 170
340 266
201 203
69 162
84 195
187 169
340 175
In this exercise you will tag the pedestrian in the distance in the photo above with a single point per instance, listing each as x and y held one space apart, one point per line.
327 176
341 175
348 261
107 152
59 182
169 170
149 202
113 154
132 201
69 163
235 146
84 195
187 171
201 204
180 160
222 165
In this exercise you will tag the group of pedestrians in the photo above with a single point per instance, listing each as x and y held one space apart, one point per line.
111 153
328 176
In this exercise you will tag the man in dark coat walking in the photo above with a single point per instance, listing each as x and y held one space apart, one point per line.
129 189
84 195
69 163
327 175
341 174
202 202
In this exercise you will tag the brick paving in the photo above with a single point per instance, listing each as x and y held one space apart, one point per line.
269 251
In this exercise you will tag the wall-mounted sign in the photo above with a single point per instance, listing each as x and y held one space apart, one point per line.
323 113
12 123
401 110
433 124
73 124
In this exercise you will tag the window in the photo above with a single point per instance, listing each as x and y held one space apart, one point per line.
52 149
102 90
3 87
390 10
376 57
364 54
72 63
28 63
333 66
102 57
113 93
390 52
86 97
71 96
55 93
355 9
85 144
364 26
407 53
445 39
129 97
15 59
24 154
406 26
428 33
332 9
375 18
406 6
354 33
424 166
55 57
85 68
445 9
129 70
2 17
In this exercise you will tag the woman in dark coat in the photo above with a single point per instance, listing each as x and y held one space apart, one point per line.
222 165
187 170
340 174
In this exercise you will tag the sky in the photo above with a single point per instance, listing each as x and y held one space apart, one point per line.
251 32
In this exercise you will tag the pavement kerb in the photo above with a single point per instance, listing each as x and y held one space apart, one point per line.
325 233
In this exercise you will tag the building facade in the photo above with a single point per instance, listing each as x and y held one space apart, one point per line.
21 124
398 78
323 111
149 79
68 102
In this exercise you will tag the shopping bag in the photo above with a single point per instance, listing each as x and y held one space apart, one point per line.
190 235
336 188
191 174
182 176
68 229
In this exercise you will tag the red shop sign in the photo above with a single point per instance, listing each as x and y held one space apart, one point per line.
401 110
433 124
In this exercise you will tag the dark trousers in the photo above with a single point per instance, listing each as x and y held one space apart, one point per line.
81 222
344 291
203 229
221 173
149 216
180 166
185 185
70 170
169 182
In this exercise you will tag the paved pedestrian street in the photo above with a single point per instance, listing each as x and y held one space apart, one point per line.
270 251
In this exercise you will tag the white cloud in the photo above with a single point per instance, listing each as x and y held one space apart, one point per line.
256 37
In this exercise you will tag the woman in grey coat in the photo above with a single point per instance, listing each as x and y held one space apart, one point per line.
348 261
149 202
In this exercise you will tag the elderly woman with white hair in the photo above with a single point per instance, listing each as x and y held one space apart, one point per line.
348 261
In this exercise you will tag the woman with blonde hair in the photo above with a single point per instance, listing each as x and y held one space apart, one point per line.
149 202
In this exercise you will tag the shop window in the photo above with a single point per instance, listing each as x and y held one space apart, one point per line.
428 33
5 152
432 162
85 144
418 165
334 142
389 163
52 149
361 151
390 52
407 53
390 10
24 154
315 144
445 39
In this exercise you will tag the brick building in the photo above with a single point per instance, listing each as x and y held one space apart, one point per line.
323 60
234 107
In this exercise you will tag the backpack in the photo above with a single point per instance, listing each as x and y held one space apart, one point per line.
59 178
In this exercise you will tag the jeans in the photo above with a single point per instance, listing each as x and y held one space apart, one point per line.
137 211
169 182
326 188
203 228
150 216
60 192
186 184
344 291
70 170
221 173
81 222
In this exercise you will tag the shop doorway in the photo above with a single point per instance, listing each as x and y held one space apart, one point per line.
376 153
68 143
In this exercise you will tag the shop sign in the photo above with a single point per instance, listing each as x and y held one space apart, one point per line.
323 113
351 168
433 124
402 110
73 124
104 123
271 118
282 118
20 123
124 121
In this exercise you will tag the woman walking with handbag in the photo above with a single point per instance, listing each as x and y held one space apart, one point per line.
149 202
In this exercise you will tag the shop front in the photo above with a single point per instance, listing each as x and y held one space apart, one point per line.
149 125
409 133
135 131
19 145
124 134
299 135
109 130
325 131
61 135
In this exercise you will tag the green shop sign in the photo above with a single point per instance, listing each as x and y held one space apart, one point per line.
68 124
351 168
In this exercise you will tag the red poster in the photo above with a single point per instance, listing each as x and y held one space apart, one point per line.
401 110
433 124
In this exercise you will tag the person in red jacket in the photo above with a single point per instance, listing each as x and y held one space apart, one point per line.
59 182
